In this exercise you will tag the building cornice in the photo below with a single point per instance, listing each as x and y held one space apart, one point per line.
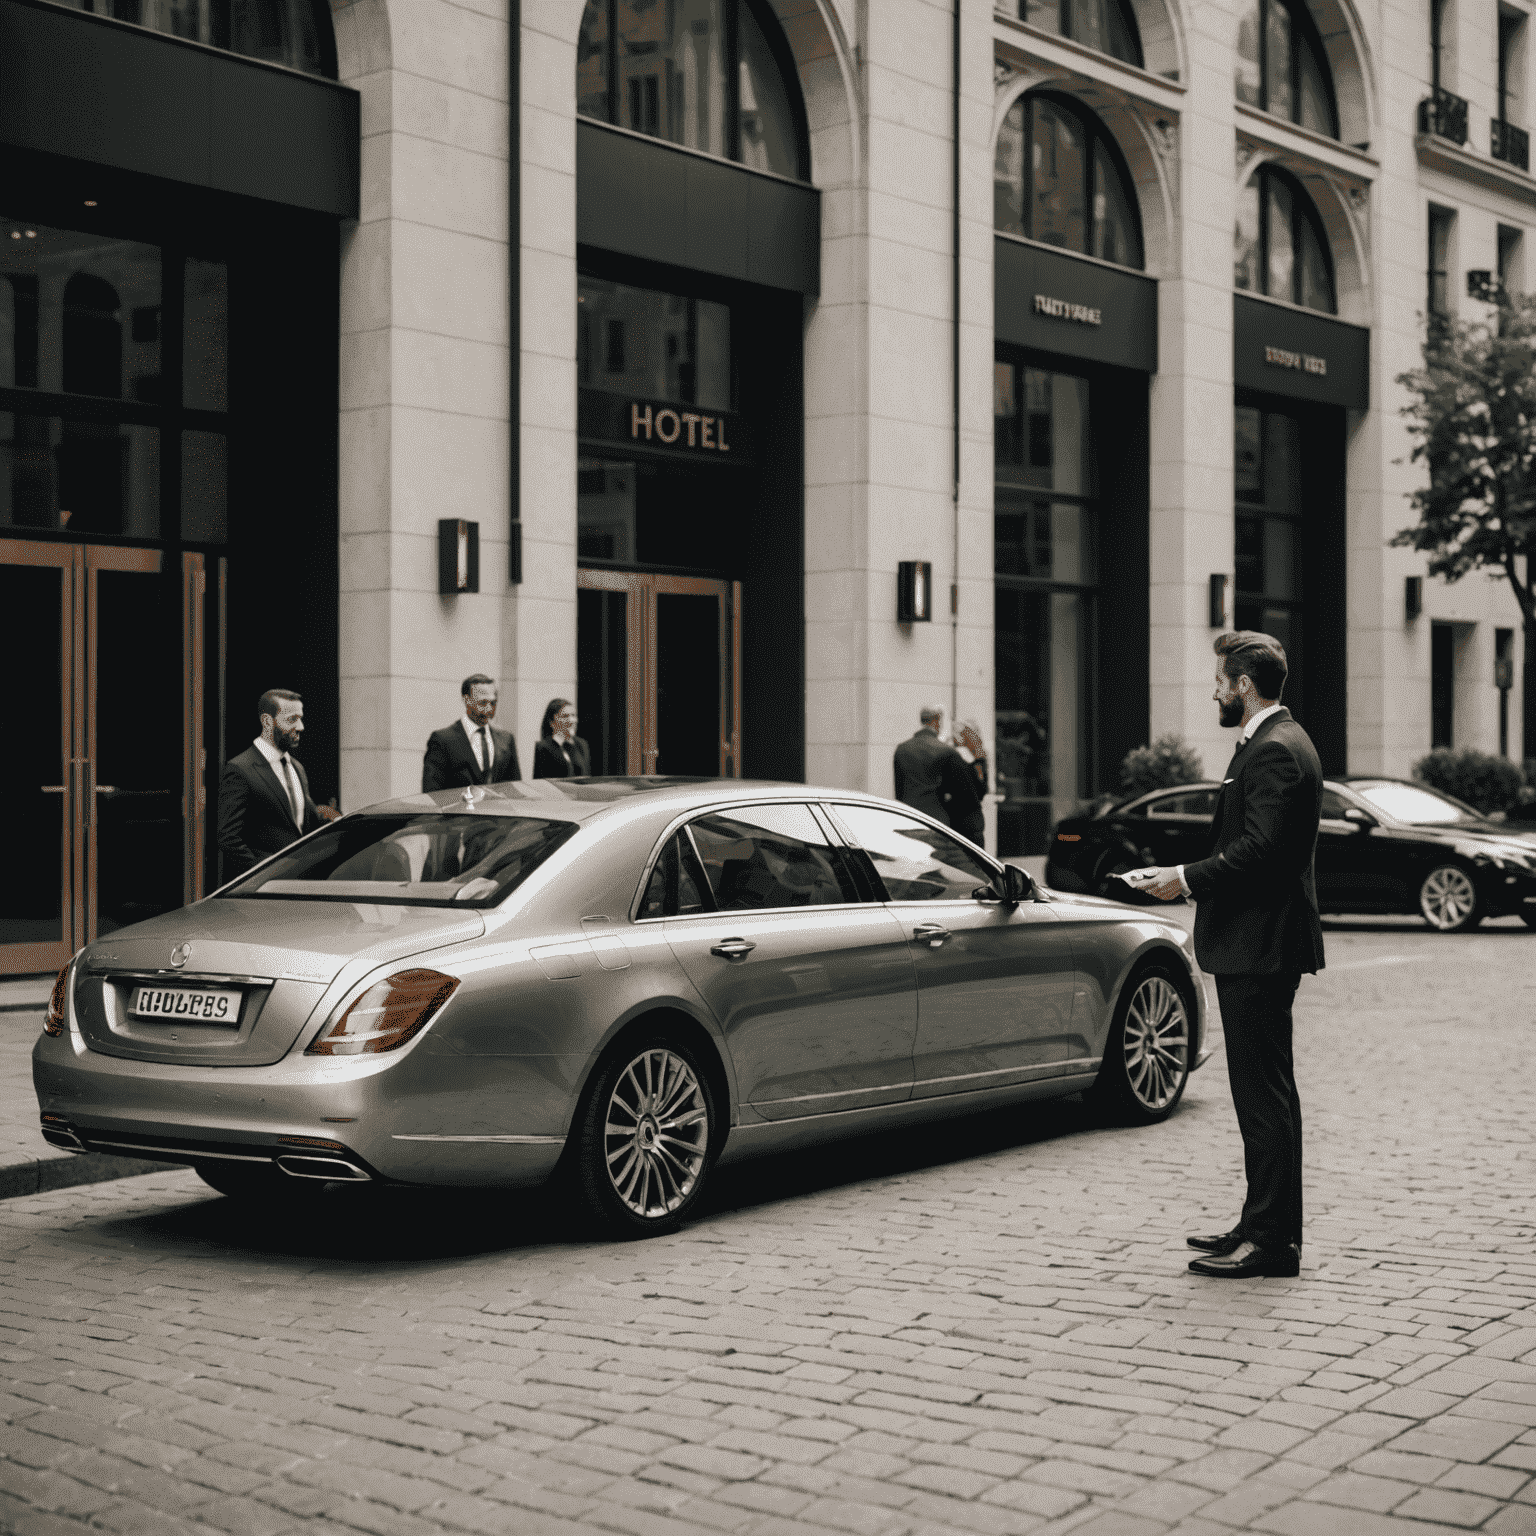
1275 133
1456 160
1018 42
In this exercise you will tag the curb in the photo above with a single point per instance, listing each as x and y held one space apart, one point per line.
38 1175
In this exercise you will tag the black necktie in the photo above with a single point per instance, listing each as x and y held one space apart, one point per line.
485 755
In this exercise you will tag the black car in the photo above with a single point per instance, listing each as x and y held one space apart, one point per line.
1384 845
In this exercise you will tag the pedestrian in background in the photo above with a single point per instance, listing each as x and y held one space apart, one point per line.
471 751
973 752
264 800
1257 932
560 753
933 778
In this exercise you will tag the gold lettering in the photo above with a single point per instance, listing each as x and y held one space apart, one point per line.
636 421
661 431
721 443
705 440
690 421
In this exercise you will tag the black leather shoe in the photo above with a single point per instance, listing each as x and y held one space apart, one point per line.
1248 1262
1222 1243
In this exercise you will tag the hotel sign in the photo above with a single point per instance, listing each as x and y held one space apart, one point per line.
1303 354
1279 357
1064 309
662 427
670 426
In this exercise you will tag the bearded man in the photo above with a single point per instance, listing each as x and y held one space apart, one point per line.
264 801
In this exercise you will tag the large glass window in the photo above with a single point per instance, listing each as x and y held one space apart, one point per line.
1059 178
1046 573
1108 25
1280 248
653 345
113 386
292 32
1281 65
714 75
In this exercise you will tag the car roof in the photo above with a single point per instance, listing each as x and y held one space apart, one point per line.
579 799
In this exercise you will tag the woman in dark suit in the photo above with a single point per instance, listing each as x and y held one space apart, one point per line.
559 752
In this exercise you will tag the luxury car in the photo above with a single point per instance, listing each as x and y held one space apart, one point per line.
616 982
1383 845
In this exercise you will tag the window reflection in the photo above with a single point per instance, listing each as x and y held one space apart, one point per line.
205 335
1279 247
1108 25
654 345
277 31
1281 66
79 476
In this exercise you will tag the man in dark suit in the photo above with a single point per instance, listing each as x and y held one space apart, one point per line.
264 801
471 751
932 777
1257 932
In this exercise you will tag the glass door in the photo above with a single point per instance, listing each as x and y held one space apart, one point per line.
659 673
109 833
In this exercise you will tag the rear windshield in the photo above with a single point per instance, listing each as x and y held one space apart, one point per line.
425 859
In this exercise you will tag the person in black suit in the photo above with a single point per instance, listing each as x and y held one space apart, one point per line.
471 751
560 753
1257 932
932 777
264 800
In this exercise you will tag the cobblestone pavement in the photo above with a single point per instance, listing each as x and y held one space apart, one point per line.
983 1327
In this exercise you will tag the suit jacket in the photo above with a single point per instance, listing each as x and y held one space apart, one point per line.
932 777
450 762
549 761
1257 892
255 816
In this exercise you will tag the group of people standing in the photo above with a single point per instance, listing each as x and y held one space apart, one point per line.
473 751
944 779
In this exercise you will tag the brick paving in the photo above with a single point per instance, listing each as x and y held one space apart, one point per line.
982 1327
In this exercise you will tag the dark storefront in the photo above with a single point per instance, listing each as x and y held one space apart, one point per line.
690 504
168 408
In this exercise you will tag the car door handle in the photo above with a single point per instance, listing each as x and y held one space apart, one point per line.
733 949
935 933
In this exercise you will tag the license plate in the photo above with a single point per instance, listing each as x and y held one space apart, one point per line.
186 1006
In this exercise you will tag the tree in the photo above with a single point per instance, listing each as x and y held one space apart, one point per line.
1471 413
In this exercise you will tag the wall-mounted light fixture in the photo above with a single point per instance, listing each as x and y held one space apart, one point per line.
914 592
1218 601
1413 598
458 556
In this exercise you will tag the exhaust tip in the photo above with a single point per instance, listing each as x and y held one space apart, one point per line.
333 1168
63 1138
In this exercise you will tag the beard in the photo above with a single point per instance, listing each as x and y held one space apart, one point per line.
285 741
1231 712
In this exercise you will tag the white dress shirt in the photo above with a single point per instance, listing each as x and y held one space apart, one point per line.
287 776
473 732
1254 722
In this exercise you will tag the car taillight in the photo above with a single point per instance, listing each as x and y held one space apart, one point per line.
386 1015
56 1020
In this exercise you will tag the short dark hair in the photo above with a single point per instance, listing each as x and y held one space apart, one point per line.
1251 653
470 681
271 701
553 708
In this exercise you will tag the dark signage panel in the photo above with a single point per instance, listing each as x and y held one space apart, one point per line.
1056 302
1282 350
666 427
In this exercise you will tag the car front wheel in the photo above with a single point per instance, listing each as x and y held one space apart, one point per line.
646 1138
1449 900
1146 1058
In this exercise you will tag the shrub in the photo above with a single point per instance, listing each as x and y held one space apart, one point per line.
1487 783
1169 761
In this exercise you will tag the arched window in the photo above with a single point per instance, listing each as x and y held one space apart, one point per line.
715 75
1281 248
1108 25
296 33
1058 177
1281 66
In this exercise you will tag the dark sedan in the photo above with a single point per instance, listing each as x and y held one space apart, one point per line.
1384 845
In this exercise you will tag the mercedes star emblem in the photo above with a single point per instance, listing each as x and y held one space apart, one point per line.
181 954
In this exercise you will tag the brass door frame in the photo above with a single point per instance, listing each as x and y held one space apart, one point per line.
642 683
80 566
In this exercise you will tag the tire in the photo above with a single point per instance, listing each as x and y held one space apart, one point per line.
1137 1085
646 1137
1449 900
251 1181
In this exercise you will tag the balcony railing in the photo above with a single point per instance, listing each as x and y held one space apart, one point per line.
1510 144
1445 116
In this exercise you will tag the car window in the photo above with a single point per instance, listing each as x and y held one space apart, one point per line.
1417 804
677 887
1193 802
917 862
770 856
1334 805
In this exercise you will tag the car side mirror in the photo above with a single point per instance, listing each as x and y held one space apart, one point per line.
1014 886
1362 821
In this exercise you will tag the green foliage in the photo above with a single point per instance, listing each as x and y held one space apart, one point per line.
1472 416
1487 783
1169 761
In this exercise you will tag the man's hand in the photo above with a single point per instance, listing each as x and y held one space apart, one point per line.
1164 883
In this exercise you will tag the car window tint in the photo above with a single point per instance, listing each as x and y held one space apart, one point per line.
1334 805
1169 805
916 861
770 856
1194 802
675 887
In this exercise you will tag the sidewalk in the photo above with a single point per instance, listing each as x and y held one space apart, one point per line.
28 1165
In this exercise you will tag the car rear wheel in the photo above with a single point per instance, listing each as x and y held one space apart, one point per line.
646 1139
1450 900
1146 1058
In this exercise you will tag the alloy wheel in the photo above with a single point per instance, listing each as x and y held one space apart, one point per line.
1156 1043
1448 899
656 1133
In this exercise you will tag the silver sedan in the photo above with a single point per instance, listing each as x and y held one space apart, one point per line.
618 983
